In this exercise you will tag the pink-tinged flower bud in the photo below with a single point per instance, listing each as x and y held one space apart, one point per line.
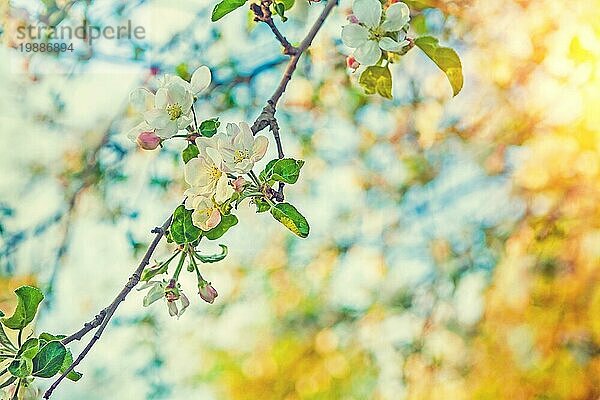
352 63
207 292
352 19
148 140
239 184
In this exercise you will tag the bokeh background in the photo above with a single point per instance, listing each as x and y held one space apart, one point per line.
455 242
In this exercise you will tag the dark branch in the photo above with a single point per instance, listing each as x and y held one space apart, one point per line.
101 320
262 12
267 116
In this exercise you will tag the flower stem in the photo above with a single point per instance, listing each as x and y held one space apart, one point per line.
180 265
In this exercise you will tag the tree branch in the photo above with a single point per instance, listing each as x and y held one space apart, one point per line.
267 116
106 314
262 12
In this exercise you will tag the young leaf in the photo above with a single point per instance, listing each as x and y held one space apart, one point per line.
191 151
182 229
445 58
215 257
209 127
5 341
48 337
29 349
266 173
378 80
291 219
261 204
227 221
21 367
225 7
73 375
29 299
49 360
150 272
286 170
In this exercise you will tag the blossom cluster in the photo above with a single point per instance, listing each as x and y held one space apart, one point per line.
212 174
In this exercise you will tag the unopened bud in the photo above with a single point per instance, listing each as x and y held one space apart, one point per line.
352 63
207 292
352 19
239 184
148 140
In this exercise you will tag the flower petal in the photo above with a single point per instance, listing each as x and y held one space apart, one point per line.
354 35
214 220
389 44
223 190
259 148
157 118
141 99
161 99
368 12
168 131
200 79
396 16
156 293
369 53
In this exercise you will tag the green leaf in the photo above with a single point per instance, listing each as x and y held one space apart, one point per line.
182 71
191 151
286 170
73 375
48 337
21 367
261 205
291 219
378 80
225 7
227 221
445 58
264 175
280 10
209 127
49 360
288 4
29 349
5 341
182 229
7 382
29 299
150 272
215 257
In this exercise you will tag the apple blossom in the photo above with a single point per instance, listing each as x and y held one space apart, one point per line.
170 291
205 174
376 30
240 149
206 213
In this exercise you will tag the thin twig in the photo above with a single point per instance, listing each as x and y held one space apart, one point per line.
267 116
262 12
106 314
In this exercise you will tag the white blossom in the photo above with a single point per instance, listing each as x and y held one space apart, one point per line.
205 173
170 108
376 30
240 149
